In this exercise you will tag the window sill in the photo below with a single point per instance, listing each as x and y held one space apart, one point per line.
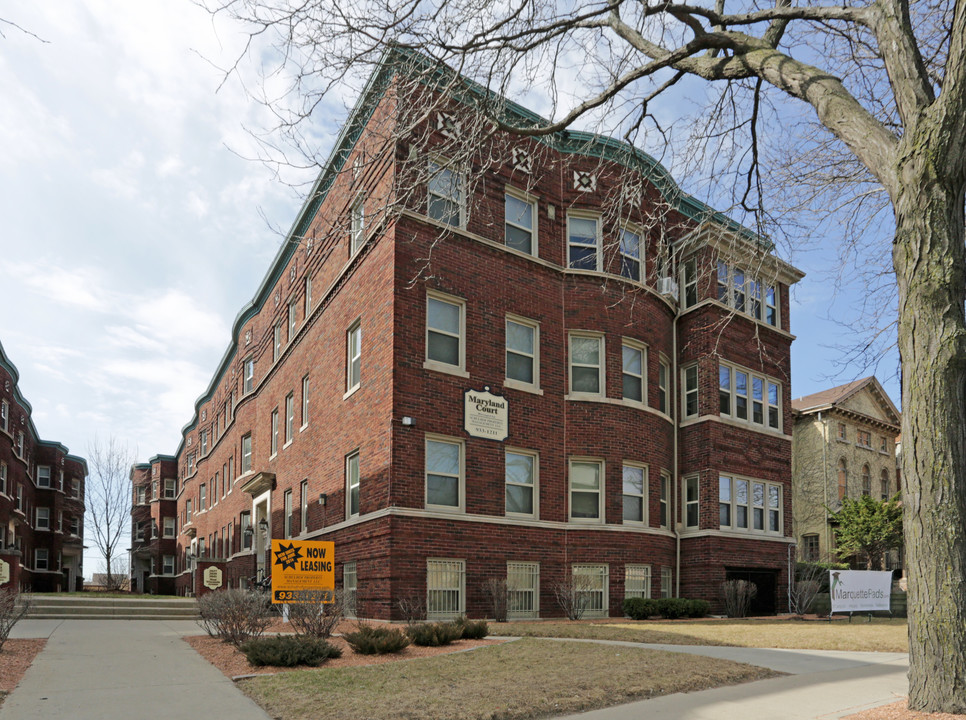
351 391
586 397
444 368
286 445
445 508
301 429
522 386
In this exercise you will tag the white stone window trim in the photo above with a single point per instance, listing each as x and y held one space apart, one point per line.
438 366
460 507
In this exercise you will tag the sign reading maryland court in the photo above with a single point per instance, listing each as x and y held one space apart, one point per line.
303 571
485 415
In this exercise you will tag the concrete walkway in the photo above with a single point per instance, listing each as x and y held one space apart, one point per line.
123 670
820 685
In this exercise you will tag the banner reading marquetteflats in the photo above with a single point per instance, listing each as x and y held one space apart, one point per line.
860 590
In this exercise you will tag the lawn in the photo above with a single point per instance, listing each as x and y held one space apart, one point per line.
524 679
881 635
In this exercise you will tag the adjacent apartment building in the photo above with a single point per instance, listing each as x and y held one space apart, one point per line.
154 511
844 446
480 356
41 500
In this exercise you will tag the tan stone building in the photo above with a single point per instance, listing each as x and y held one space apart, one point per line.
844 444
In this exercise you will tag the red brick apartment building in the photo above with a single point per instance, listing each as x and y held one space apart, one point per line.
531 361
154 513
41 500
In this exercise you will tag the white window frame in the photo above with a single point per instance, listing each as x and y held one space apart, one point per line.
292 313
691 497
249 375
246 456
664 386
308 296
352 482
4 415
41 553
42 518
664 500
245 522
42 472
357 224
523 590
747 294
733 504
170 488
461 479
597 588
526 199
637 581
667 582
274 436
638 347
287 513
598 251
601 467
3 478
689 282
169 527
601 366
350 588
770 409
445 588
642 496
534 481
276 342
436 165
629 259
353 362
167 565
534 357
303 506
441 365
289 419
305 402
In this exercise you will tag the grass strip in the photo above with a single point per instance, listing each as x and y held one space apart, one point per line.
525 679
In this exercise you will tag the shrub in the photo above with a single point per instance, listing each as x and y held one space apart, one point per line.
369 640
573 594
317 619
434 634
472 629
233 615
13 607
698 608
638 608
289 651
496 592
737 596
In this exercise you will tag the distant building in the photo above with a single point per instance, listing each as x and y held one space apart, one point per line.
41 499
844 446
154 514
502 371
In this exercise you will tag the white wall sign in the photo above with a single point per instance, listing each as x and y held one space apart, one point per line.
860 590
485 415
213 578
4 572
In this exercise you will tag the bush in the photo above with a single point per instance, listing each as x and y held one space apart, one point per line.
434 634
638 608
737 596
495 590
233 615
13 607
698 608
472 629
317 619
289 651
413 609
369 640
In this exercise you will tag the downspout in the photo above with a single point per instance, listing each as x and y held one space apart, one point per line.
675 481
828 529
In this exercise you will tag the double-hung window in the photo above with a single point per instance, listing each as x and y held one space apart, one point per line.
202 497
245 523
587 364
305 401
41 559
444 474
3 478
522 352
289 418
357 229
4 415
445 338
246 453
291 321
633 363
665 498
43 518
350 588
743 292
748 397
521 482
274 431
586 490
43 476
352 485
304 506
276 342
249 374
520 221
749 505
169 527
287 500
690 282
691 502
308 296
445 194
635 493
445 589
663 377
170 488
353 363
630 246
583 242
167 566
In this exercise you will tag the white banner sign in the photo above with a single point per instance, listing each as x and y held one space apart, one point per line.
860 590
485 415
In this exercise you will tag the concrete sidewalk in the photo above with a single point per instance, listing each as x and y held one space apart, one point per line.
821 684
123 669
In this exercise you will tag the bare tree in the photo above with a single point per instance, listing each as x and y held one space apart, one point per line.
884 82
108 500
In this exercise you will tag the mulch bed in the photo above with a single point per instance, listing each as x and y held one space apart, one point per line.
15 658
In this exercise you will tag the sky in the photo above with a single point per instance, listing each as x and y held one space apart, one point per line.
135 226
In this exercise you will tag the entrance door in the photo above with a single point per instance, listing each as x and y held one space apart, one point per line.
765 602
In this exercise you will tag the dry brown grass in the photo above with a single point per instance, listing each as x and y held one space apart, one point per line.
881 635
524 679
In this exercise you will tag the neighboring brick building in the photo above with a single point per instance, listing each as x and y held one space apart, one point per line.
548 272
844 445
41 499
154 512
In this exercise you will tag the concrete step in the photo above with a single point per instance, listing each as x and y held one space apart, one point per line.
67 616
134 608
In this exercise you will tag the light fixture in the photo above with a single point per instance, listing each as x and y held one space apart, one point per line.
323 498
408 421
263 525
248 532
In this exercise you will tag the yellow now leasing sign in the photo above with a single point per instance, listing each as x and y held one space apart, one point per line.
303 571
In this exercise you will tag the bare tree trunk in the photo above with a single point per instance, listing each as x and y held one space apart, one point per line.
928 255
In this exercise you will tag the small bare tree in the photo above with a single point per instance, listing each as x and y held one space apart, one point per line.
13 607
497 593
317 618
737 596
413 609
118 575
805 586
107 499
573 595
